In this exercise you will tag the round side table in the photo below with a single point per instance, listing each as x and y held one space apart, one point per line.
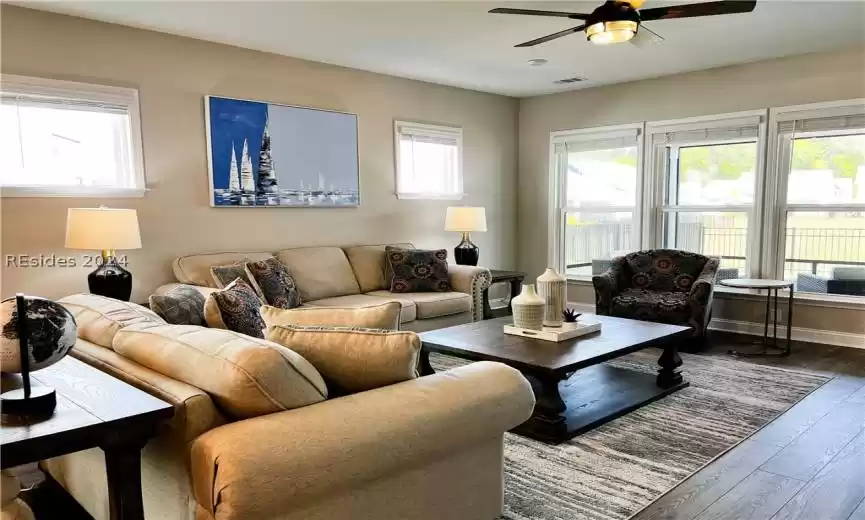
769 348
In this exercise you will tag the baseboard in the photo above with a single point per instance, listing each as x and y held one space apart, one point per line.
827 337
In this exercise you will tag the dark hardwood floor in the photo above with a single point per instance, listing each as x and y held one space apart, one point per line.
809 464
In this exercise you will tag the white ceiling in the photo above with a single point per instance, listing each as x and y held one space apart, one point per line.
460 44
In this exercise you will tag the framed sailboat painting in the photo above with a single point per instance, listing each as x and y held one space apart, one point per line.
269 155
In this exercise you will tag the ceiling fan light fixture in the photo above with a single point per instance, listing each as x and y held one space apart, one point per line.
604 33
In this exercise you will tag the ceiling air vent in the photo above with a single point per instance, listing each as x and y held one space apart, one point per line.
565 81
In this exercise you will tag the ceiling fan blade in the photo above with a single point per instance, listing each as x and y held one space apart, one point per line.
533 12
553 36
695 10
646 37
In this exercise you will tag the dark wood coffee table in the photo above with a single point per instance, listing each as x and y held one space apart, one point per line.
574 391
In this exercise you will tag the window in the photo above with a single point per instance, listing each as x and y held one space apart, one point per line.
821 220
595 186
68 139
707 172
428 161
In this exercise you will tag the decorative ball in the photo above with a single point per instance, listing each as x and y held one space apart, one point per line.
51 332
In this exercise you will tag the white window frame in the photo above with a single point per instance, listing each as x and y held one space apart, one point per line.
778 162
133 181
451 132
558 195
659 172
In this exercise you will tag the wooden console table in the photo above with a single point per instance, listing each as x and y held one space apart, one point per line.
93 410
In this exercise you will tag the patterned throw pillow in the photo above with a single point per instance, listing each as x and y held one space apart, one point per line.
275 282
418 270
182 305
235 308
225 274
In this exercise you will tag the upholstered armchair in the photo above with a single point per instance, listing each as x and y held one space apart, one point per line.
662 285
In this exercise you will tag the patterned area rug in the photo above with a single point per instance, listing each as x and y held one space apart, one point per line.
614 471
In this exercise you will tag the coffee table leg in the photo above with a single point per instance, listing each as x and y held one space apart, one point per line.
669 361
426 368
547 420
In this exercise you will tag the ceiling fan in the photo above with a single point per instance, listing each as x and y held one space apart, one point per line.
619 21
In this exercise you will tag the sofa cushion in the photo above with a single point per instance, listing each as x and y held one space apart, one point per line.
418 270
245 376
664 269
195 269
181 305
381 316
430 304
223 275
661 306
235 308
320 272
275 283
354 359
100 318
368 263
407 313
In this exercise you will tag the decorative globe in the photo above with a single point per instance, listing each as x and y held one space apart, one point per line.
51 332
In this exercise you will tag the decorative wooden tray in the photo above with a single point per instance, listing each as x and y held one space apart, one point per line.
565 332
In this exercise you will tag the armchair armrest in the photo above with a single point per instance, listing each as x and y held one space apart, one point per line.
608 284
700 296
473 281
271 464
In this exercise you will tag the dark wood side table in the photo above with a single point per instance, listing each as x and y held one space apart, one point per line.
94 409
515 279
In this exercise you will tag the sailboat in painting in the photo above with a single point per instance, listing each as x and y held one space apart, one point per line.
233 173
247 181
267 187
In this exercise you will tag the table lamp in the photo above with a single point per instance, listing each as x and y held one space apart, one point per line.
105 229
465 220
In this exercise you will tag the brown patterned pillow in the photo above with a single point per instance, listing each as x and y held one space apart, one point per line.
275 283
418 270
225 274
235 308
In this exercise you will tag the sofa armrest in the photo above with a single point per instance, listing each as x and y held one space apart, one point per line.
700 295
473 281
257 467
608 285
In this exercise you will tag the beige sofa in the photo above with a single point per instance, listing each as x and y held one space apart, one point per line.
355 277
424 449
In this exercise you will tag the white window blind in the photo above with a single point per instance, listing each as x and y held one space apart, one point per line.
602 141
719 131
428 161
68 139
822 124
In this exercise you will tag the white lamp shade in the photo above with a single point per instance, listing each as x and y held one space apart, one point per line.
102 228
466 219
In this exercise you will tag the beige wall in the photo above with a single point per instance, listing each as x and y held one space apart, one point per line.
172 75
787 81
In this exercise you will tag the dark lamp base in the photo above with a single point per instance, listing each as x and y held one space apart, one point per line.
466 253
111 280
